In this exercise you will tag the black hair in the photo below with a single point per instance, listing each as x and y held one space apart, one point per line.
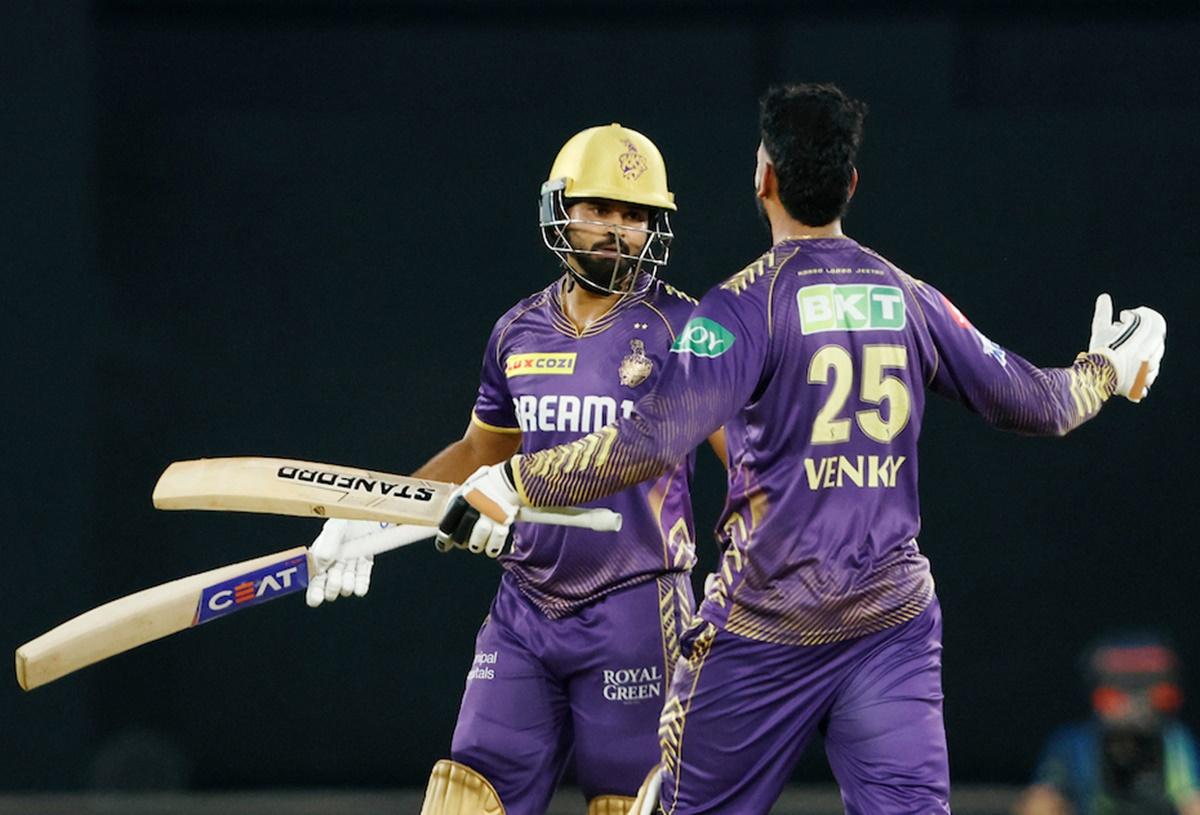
812 133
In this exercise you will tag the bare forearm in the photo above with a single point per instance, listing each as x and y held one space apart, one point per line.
477 448
453 464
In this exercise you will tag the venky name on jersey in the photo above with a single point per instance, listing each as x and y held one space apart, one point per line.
252 588
562 364
861 471
568 414
862 307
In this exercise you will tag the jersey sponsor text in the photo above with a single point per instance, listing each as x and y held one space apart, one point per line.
567 414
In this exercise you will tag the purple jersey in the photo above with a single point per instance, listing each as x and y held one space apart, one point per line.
815 358
552 384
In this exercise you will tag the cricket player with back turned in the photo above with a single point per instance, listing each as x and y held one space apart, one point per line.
577 652
815 358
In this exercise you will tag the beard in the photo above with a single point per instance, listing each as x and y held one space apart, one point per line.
605 272
762 213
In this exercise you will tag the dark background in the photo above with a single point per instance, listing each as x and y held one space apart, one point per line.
268 228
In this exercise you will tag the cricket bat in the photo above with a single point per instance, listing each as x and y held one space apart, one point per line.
157 612
280 486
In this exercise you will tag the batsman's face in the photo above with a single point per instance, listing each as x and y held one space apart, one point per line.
614 228
611 221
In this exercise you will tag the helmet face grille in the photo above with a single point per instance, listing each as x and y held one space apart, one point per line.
631 274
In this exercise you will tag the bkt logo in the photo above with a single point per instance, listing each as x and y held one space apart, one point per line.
850 308
252 588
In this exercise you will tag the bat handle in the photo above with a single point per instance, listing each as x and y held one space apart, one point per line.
1138 390
601 520
393 537
396 536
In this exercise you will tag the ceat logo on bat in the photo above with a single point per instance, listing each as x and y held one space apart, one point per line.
252 588
530 364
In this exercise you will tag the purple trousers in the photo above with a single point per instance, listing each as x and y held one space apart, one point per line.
740 713
592 683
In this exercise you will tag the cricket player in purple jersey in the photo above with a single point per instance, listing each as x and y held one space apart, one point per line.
578 650
815 358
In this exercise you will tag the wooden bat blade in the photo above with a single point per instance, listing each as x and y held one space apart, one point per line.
280 486
304 488
157 612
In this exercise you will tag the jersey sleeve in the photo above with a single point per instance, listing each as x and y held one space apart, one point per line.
493 405
715 365
1002 387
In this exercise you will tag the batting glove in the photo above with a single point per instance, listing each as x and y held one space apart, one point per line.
480 513
1137 339
337 576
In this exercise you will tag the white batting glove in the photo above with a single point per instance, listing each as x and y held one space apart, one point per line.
1136 339
480 513
338 576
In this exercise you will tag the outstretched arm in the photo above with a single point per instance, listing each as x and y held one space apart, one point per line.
1013 394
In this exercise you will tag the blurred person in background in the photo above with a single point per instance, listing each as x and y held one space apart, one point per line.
1133 756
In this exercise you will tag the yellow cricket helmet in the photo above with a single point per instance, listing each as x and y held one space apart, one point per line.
618 164
613 162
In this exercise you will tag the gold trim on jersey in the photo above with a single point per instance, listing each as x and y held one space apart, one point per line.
475 420
674 617
777 268
1091 384
540 301
673 718
747 277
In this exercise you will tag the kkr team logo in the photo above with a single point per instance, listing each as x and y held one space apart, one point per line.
863 307
703 337
531 364
252 588
633 163
636 366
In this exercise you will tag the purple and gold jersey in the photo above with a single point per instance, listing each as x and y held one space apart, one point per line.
815 358
552 384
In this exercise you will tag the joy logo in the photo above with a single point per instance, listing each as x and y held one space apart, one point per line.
703 337
850 308
257 586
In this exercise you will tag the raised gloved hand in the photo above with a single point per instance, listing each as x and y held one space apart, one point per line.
337 575
1133 345
480 513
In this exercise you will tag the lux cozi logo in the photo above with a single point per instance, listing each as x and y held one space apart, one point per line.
532 364
252 588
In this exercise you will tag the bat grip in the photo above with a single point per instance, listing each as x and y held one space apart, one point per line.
1138 389
601 520
394 537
